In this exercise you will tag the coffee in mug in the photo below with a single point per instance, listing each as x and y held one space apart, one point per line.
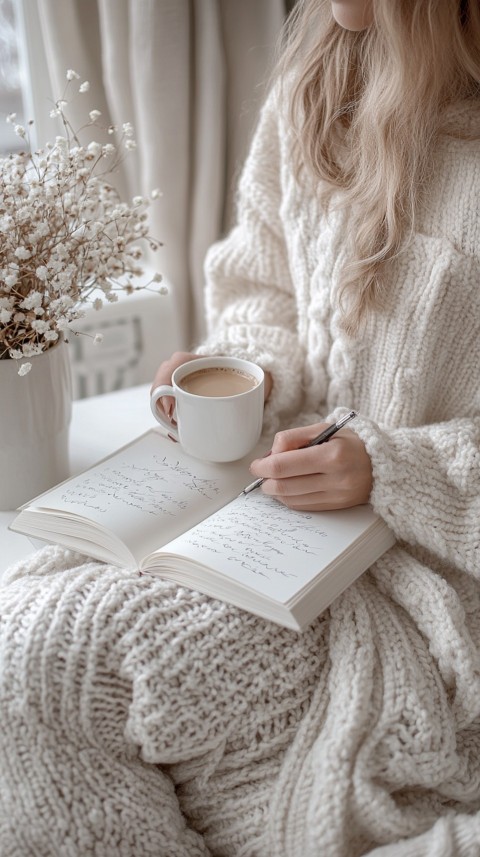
218 381
218 407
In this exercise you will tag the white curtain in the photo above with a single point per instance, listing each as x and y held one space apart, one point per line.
190 76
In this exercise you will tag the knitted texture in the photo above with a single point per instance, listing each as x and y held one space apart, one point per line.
116 689
140 718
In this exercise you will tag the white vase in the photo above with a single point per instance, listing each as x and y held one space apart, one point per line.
35 414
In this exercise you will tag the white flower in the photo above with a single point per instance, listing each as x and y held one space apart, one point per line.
98 338
24 369
11 118
63 323
40 326
33 300
94 148
163 291
22 253
6 223
156 193
31 350
62 304
41 231
41 273
64 234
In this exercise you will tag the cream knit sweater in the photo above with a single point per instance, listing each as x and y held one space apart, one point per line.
140 719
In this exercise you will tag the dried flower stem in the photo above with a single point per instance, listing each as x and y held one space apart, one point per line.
65 234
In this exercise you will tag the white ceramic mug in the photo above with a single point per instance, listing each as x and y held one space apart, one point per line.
214 428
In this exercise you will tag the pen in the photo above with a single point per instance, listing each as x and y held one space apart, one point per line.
326 434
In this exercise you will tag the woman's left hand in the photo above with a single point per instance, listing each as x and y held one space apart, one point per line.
333 475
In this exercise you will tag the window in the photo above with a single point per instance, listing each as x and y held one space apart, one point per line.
11 95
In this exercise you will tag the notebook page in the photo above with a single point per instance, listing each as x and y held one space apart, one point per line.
148 492
260 543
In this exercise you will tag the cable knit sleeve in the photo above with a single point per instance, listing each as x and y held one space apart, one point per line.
421 422
426 486
250 302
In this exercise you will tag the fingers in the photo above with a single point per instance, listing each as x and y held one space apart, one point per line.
167 404
296 438
297 462
320 502
164 376
317 489
333 475
297 486
267 385
166 369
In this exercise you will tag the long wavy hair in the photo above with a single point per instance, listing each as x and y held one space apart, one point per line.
367 108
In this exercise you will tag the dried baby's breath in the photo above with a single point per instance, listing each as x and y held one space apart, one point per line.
65 235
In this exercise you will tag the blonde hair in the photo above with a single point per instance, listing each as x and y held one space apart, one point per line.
367 108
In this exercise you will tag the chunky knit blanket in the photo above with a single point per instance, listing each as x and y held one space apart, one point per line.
138 718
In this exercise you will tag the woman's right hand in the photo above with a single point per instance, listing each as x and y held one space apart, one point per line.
164 374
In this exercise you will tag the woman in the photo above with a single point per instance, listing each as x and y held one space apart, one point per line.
139 718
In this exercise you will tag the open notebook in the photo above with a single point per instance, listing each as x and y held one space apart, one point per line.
152 507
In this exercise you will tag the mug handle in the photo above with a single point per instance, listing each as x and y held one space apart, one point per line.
157 393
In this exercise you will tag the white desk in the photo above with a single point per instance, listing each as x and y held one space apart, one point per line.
100 425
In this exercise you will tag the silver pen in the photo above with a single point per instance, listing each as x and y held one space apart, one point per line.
324 435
